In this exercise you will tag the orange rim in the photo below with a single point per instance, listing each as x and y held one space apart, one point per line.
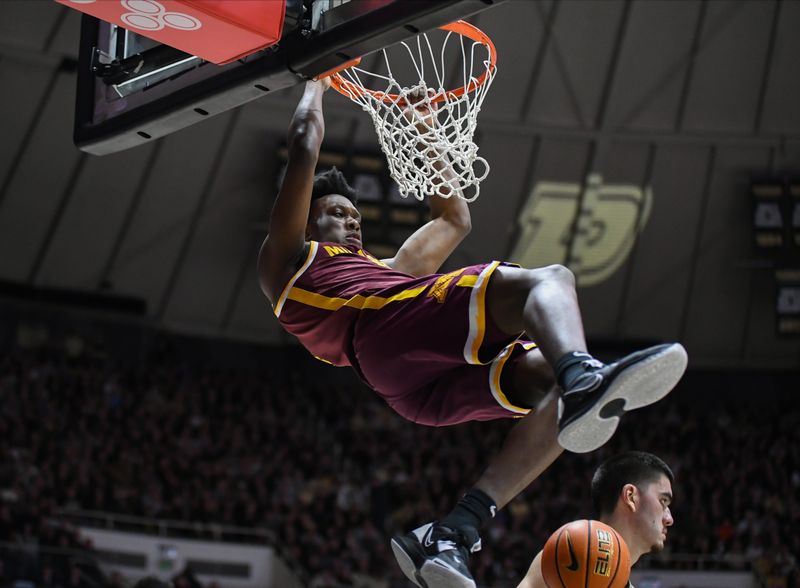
461 27
337 69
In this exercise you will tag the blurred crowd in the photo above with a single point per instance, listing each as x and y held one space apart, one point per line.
36 548
331 472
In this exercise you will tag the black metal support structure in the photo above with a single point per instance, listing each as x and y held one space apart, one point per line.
352 30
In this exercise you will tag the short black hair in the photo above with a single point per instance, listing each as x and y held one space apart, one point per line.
631 467
330 182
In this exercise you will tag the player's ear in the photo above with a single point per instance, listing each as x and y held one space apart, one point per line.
630 497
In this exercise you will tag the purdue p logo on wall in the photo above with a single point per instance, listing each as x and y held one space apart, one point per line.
610 218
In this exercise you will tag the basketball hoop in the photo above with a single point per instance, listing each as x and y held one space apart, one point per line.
425 129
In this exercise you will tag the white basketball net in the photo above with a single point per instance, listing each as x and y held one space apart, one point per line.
428 154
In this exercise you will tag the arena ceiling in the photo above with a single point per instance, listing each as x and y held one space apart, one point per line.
651 116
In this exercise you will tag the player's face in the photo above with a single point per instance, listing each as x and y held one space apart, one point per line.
334 219
654 516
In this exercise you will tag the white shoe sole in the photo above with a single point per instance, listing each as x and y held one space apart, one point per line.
439 575
636 386
432 574
405 562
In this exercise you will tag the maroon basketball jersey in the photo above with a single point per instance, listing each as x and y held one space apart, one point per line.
323 300
426 345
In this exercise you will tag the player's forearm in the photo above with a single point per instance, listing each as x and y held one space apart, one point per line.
454 209
307 128
290 211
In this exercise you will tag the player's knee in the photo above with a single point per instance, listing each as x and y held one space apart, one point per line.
552 273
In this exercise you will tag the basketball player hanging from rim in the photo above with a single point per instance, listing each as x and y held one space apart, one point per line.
445 349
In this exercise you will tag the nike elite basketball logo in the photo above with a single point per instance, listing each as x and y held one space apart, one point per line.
493 510
573 560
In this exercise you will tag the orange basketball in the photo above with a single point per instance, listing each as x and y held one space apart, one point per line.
586 554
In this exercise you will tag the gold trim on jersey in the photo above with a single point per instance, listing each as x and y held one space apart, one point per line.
477 303
494 377
358 301
477 314
323 360
312 251
441 286
467 281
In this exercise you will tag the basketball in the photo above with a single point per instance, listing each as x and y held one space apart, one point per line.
586 554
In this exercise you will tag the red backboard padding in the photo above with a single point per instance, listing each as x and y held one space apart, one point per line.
219 31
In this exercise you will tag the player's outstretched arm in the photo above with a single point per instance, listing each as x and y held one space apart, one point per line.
426 250
534 578
287 224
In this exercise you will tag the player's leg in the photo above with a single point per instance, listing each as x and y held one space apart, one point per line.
531 446
436 554
543 303
591 396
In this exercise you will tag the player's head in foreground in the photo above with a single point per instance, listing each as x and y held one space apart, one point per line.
632 492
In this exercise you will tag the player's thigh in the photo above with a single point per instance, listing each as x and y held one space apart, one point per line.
528 379
510 287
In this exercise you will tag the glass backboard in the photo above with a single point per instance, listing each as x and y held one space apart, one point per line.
132 90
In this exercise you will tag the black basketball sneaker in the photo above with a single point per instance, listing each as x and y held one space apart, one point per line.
589 411
435 556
